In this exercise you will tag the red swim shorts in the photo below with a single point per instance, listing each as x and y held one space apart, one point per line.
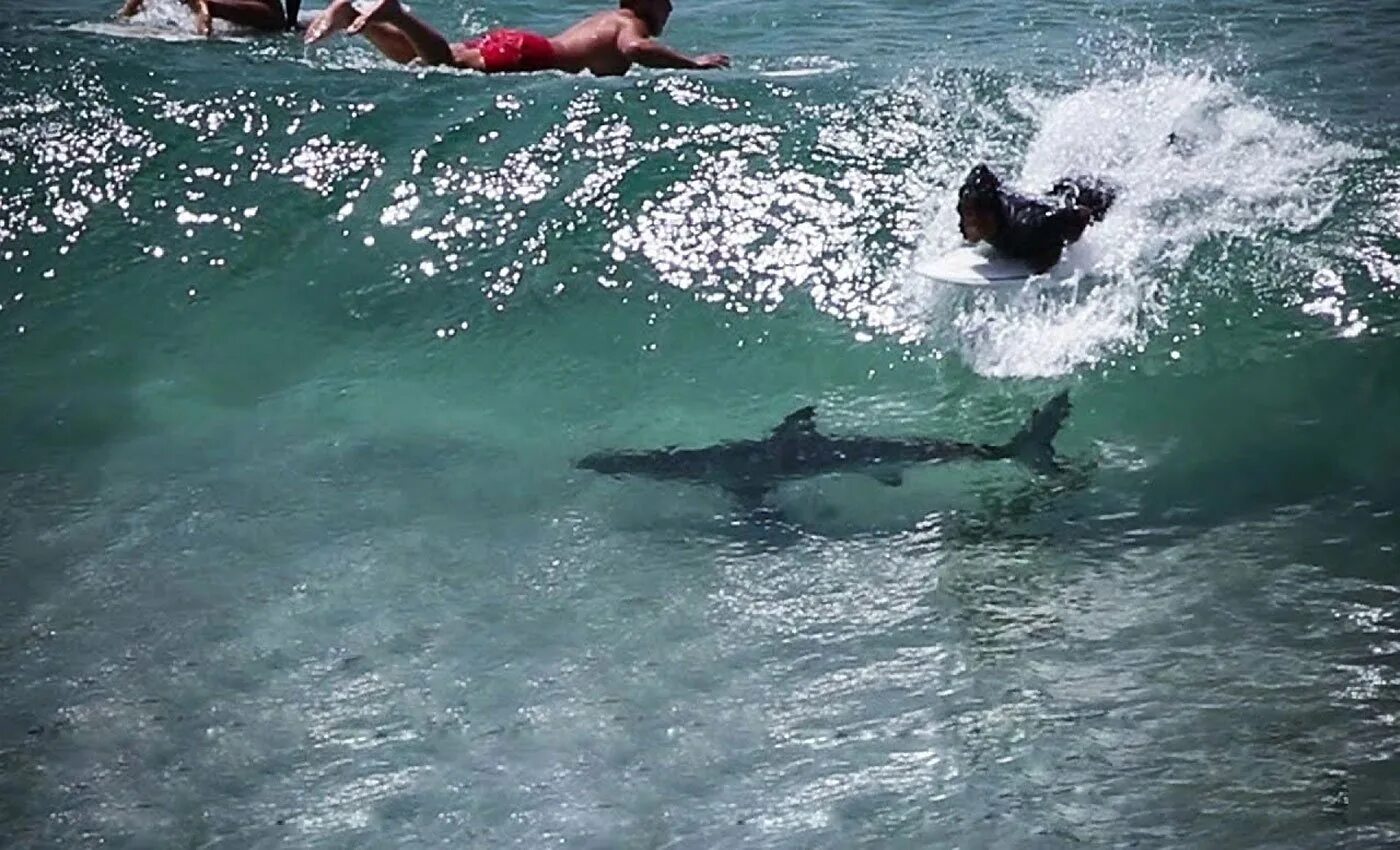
513 50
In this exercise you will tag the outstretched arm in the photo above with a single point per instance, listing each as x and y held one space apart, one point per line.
653 54
432 48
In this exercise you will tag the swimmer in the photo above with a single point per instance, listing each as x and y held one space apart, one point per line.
1033 229
606 44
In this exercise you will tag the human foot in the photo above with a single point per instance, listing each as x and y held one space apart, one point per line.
130 8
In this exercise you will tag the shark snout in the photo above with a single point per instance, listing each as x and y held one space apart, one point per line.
596 462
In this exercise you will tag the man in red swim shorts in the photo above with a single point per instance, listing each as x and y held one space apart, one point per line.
607 43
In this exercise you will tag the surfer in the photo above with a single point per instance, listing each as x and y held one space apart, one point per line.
607 43
265 15
1032 229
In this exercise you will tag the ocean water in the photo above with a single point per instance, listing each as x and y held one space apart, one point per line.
298 350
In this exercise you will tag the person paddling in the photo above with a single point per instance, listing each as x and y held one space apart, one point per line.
607 43
1033 229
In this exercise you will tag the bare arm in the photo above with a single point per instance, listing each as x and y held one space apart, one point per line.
647 51
431 47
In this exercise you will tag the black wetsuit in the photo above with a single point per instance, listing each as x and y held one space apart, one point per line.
1036 229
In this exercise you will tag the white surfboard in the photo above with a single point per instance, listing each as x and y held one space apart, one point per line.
147 31
125 29
975 266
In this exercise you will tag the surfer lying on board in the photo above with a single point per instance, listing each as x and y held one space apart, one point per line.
1033 229
607 43
266 15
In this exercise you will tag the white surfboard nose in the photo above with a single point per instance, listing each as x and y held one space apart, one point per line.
974 266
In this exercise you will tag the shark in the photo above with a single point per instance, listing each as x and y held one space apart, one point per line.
750 469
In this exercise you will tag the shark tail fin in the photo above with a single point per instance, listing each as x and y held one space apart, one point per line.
1033 445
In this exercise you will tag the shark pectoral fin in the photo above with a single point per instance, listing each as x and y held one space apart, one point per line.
749 496
1033 444
889 476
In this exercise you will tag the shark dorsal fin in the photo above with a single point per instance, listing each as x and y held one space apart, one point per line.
799 421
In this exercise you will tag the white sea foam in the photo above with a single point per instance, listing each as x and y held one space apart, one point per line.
1234 169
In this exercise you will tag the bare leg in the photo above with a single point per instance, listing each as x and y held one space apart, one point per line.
203 22
431 47
340 15
258 14
131 7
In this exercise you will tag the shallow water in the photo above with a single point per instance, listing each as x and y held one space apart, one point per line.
298 350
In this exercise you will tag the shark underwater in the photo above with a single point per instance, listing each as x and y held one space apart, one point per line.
795 449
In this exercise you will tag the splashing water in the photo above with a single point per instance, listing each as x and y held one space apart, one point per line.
164 20
1196 161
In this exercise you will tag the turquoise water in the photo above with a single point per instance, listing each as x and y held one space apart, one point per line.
298 350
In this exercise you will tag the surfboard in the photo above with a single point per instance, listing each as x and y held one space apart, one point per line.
804 66
974 266
147 31
124 29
